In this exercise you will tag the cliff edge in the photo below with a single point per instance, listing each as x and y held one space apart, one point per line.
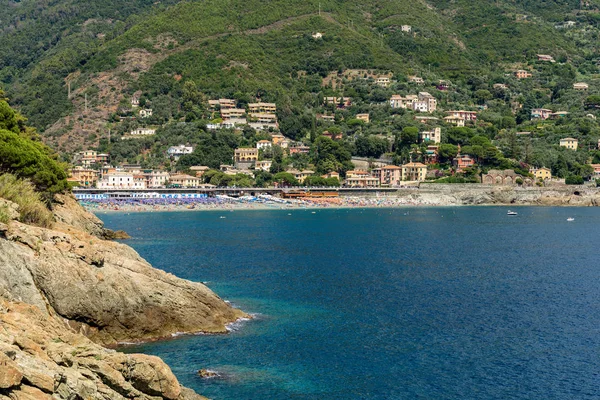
65 290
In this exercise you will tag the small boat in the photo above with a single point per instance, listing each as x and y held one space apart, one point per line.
222 217
314 212
570 219
511 213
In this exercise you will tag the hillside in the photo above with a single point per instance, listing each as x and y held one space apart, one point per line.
177 55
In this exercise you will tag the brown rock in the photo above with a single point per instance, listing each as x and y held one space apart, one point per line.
10 375
151 375
29 393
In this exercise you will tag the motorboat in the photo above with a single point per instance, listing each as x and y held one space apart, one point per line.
511 213
570 219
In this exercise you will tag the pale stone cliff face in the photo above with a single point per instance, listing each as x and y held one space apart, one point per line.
64 289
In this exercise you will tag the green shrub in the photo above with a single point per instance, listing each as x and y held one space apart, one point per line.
32 209
4 216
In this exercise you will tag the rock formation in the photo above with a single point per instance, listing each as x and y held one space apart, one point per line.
66 290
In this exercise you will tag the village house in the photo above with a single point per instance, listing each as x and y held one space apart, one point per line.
145 113
569 143
184 181
389 175
542 173
88 158
416 79
264 165
431 154
325 117
285 143
340 102
383 80
227 113
245 157
596 168
501 86
263 144
423 102
298 148
456 121
414 171
142 132
268 108
461 162
317 35
405 28
178 151
333 136
358 178
434 136
522 74
541 113
85 177
301 175
466 115
333 174
363 117
277 138
199 170
135 101
155 179
265 118
222 104
426 119
443 85
545 57
558 114
581 86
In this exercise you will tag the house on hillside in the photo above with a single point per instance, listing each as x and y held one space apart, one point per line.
545 57
406 28
390 175
522 74
460 162
542 173
434 136
581 86
363 117
540 113
416 79
570 143
145 113
414 171
263 144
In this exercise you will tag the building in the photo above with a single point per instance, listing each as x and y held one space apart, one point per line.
301 175
443 85
581 86
277 138
596 170
298 148
340 102
542 173
325 117
85 177
390 175
245 157
363 117
358 178
416 79
456 121
263 144
383 80
558 114
184 181
121 180
501 86
423 102
135 101
569 143
317 35
462 114
431 154
264 165
414 171
405 28
506 177
142 132
260 107
545 57
338 135
228 113
336 175
145 113
266 118
462 162
178 151
155 179
222 103
522 74
540 113
199 170
434 136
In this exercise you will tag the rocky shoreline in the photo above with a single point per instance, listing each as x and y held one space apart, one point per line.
66 293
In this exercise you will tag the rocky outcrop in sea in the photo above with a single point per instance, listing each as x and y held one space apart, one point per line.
67 291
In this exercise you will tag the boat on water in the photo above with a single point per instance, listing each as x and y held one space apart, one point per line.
570 219
511 213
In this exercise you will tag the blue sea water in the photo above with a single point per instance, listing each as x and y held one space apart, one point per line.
419 303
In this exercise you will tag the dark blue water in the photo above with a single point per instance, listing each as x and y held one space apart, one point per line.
442 303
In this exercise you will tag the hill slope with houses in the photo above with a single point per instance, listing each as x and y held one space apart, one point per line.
310 89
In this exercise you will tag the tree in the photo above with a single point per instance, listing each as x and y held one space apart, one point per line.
447 152
409 135
285 179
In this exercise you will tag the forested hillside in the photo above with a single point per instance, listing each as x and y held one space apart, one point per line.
72 68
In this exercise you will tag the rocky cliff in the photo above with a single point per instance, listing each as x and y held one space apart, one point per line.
65 290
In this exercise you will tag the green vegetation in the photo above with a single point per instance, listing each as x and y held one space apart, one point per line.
32 209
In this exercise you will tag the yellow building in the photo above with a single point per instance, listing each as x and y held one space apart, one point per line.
541 173
245 154
183 180
569 143
363 117
262 107
84 176
414 172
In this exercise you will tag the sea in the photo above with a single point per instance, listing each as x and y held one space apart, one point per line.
405 303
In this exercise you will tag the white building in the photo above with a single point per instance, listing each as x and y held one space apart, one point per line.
121 180
178 151
156 179
263 144
142 132
145 113
406 28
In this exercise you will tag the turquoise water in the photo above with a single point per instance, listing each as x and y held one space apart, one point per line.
430 303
